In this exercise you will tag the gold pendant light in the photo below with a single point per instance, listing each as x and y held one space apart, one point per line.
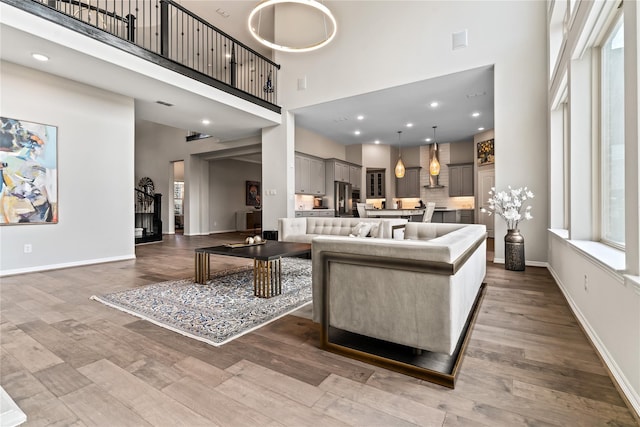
399 166
434 166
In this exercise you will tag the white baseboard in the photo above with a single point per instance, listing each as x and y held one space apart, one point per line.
632 396
35 269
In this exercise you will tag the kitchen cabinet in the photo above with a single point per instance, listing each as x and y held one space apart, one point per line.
337 170
375 184
461 179
450 216
316 213
466 216
355 177
409 185
310 175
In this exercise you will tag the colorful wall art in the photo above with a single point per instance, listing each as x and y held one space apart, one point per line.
486 154
28 172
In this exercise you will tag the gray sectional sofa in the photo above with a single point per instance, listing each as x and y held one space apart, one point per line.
418 291
303 230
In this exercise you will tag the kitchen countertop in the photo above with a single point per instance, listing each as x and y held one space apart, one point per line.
372 213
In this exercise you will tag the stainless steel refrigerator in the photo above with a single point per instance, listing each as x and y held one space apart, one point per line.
342 198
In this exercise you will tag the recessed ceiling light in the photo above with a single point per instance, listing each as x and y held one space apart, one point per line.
480 128
476 114
40 57
377 141
427 139
360 117
357 132
206 121
409 125
434 104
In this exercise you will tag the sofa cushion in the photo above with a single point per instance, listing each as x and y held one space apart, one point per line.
361 229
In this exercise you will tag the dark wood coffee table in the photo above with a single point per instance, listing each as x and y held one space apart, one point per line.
267 266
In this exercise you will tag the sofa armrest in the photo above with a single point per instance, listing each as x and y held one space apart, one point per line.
288 227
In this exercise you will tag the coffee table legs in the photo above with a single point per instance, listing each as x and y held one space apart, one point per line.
267 275
267 278
202 267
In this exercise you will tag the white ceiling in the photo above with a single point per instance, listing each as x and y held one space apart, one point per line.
385 111
388 111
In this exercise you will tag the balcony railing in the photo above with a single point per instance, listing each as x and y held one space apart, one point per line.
167 29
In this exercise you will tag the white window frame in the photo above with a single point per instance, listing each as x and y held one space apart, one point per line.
616 20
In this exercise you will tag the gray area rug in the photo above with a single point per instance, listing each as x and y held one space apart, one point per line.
220 311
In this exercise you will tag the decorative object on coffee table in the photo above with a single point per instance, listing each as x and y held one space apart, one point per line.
508 204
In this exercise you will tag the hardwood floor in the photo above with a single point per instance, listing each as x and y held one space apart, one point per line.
67 360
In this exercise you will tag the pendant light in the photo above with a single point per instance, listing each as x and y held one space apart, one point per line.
434 166
399 166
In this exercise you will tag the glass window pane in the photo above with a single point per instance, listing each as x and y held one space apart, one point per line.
613 136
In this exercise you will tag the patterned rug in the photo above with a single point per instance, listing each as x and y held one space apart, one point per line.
220 311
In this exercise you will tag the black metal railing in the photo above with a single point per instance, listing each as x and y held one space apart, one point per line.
166 28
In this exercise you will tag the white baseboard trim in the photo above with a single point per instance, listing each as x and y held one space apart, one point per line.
223 231
623 384
529 263
38 268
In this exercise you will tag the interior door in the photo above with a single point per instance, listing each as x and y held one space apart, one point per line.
486 180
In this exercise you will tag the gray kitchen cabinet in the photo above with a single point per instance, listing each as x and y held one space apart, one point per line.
310 175
409 185
337 170
461 180
327 213
450 216
467 216
375 184
355 177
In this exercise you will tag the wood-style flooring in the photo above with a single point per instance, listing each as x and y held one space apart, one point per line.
69 361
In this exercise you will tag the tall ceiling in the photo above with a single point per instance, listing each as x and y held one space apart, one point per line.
384 112
464 108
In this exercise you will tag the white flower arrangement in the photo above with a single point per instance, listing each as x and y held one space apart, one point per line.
508 204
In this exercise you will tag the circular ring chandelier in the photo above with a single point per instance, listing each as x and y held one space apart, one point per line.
310 3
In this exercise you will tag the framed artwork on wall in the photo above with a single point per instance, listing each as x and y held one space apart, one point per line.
253 193
28 172
486 154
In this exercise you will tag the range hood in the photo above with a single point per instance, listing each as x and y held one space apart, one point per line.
433 182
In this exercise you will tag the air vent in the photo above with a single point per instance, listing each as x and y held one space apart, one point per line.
340 119
166 104
477 94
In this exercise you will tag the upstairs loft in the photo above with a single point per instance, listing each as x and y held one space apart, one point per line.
162 43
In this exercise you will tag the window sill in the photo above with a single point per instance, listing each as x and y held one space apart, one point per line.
610 257
605 255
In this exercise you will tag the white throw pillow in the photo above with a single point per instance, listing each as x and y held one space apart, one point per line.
361 229
375 229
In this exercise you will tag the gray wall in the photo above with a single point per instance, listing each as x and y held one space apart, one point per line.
227 191
95 172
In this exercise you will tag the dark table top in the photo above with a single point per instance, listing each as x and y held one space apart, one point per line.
267 252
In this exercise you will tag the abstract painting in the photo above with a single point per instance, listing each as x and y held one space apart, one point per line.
28 172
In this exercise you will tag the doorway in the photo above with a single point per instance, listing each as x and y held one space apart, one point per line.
178 196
